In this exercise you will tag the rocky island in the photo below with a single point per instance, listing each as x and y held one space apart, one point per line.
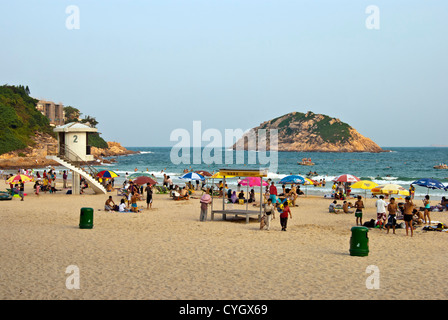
310 132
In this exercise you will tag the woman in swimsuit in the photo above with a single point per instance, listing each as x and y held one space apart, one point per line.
427 205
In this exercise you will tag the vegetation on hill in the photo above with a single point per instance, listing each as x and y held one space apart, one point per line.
19 118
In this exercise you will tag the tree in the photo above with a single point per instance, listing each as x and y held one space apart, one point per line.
72 114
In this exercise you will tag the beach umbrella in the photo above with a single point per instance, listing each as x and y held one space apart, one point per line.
346 178
365 185
107 174
144 180
390 188
18 177
308 181
252 181
192 176
292 179
142 174
429 183
204 173
206 198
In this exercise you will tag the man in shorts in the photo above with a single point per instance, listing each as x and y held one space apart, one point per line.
148 190
407 215
359 205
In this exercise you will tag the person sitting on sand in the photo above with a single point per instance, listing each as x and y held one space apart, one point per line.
184 193
346 206
251 196
332 206
122 206
109 205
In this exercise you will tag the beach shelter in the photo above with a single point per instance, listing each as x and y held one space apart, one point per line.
292 179
346 178
18 177
389 188
106 174
231 173
429 184
364 185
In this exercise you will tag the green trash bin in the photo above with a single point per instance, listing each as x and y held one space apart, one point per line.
86 218
359 242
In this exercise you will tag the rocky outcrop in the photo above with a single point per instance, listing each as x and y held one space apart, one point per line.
311 133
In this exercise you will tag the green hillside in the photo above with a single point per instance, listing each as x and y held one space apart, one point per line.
19 119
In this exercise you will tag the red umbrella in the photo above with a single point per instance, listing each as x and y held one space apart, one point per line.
144 180
204 173
346 178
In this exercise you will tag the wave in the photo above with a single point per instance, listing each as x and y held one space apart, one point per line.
145 152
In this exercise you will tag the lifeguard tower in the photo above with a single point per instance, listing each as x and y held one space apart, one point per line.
74 154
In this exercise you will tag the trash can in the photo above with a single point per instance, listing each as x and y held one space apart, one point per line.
359 242
86 218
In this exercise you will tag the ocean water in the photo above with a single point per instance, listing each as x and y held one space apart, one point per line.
400 166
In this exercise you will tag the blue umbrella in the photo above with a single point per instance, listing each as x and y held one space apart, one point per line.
429 183
292 179
192 176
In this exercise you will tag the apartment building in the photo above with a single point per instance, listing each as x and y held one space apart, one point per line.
53 111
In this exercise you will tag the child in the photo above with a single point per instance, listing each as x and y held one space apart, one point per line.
359 205
37 188
284 216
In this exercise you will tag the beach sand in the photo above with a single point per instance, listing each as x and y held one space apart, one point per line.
167 253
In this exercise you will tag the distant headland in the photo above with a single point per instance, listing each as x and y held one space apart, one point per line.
310 132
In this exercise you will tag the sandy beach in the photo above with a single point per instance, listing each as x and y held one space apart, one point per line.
166 253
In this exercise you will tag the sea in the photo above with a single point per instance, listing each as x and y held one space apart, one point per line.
399 165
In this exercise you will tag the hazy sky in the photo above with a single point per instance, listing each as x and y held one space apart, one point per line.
146 68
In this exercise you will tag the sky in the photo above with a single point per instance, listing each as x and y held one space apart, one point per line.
146 68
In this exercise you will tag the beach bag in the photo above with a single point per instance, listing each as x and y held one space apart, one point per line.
369 224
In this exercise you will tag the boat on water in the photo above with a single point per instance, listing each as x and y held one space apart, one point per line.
306 162
441 166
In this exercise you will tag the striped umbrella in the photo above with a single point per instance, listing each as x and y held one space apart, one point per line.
18 177
107 174
346 178
192 176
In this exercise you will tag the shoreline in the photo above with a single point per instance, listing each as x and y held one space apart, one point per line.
166 253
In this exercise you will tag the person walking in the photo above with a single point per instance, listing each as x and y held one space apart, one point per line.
284 216
269 210
64 179
21 189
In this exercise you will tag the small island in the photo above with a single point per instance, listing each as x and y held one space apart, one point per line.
310 132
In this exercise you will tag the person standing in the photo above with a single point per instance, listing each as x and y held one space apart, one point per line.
64 179
407 215
284 216
273 193
204 208
427 205
269 210
359 205
148 190
392 208
21 189
381 211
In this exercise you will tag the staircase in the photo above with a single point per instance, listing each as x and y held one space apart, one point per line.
76 166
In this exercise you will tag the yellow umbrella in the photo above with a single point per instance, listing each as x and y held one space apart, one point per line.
365 185
390 189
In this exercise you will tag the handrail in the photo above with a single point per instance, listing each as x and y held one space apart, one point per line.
68 155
